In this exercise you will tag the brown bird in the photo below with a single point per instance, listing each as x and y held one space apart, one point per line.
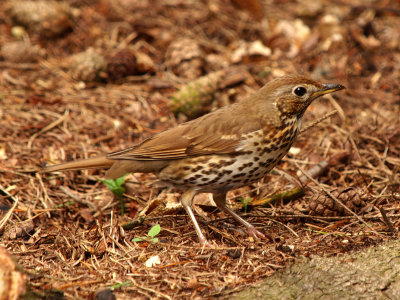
223 150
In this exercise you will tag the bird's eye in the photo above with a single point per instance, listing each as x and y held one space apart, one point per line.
299 91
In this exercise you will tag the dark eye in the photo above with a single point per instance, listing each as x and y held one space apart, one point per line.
299 91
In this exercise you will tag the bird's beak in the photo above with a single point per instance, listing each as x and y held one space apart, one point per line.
327 88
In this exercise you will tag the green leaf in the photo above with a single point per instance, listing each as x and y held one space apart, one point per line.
154 240
117 188
137 240
120 181
115 185
154 230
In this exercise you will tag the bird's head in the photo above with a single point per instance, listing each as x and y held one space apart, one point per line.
291 95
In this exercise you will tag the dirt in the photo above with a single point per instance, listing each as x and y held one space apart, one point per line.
98 76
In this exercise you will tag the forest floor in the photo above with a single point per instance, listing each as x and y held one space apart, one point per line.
66 230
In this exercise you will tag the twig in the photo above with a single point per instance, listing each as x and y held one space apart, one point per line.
286 226
315 171
328 115
77 197
48 127
19 66
16 172
46 197
12 80
386 9
159 294
285 195
9 213
228 236
387 221
297 216
337 106
293 191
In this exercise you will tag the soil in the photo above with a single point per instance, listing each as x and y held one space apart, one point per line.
99 76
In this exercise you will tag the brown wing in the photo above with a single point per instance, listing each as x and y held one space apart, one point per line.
219 132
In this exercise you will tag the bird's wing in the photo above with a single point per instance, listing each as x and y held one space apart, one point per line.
215 133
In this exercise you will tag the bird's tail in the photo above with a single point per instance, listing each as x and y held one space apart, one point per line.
98 162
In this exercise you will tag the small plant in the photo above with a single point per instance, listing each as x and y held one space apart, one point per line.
155 230
117 188
120 285
245 203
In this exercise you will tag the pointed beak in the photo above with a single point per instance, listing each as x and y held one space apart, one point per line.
327 88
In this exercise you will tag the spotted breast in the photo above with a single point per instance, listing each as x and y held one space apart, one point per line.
258 152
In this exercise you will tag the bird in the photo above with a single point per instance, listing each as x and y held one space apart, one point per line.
226 149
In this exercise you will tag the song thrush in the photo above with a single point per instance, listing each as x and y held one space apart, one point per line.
223 150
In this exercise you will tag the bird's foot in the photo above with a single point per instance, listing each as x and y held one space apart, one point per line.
255 233
205 244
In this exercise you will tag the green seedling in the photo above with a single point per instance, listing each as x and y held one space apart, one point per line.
264 73
117 188
120 285
155 230
245 203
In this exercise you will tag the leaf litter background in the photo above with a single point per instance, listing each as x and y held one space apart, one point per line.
58 104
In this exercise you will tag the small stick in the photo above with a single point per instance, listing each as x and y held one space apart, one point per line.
328 115
387 221
9 213
285 195
48 127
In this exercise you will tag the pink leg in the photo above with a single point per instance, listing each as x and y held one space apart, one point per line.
220 201
186 200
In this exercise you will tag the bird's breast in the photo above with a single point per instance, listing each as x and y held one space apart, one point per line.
258 152
271 139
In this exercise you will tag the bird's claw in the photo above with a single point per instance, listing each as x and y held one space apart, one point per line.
255 233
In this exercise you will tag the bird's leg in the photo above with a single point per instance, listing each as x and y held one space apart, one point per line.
220 201
186 200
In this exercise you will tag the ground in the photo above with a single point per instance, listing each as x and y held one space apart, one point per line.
66 230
